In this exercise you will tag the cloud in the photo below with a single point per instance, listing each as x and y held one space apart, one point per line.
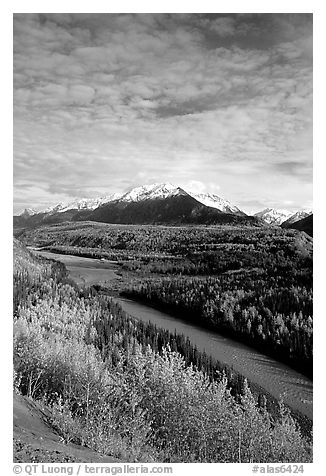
223 26
223 99
200 187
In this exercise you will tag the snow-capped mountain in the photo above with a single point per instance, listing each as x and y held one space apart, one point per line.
151 192
214 201
28 212
137 194
147 194
165 190
163 203
274 216
305 224
82 204
144 192
158 203
299 215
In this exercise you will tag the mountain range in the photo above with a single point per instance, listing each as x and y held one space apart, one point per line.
158 203
298 216
274 216
305 224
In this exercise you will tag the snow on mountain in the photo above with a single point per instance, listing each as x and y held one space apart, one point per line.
28 212
165 190
299 215
274 216
89 203
149 192
214 201
82 204
137 194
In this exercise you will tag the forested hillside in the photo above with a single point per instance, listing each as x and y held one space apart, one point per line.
270 314
117 387
306 225
253 284
202 249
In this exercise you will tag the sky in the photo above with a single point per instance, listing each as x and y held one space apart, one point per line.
218 103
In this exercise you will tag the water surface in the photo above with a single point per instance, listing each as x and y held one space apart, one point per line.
277 378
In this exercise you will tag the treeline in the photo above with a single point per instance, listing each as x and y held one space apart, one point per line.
31 288
178 241
216 263
114 385
182 250
262 310
148 334
255 283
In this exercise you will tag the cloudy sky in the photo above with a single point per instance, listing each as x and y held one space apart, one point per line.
217 103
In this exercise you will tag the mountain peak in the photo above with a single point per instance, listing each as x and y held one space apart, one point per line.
152 191
299 215
82 204
214 201
28 212
273 216
160 191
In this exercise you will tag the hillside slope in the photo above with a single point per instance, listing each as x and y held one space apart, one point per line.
306 224
36 440
152 204
181 209
175 210
299 215
111 382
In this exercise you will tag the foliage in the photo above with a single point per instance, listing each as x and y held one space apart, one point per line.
252 283
260 309
116 394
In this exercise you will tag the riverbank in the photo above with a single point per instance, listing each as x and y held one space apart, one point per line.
276 378
191 317
128 390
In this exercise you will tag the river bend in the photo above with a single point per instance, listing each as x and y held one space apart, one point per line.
275 377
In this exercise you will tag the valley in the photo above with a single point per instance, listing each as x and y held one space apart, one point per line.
163 307
269 374
252 284
229 300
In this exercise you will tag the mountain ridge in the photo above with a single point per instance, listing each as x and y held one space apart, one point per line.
143 192
214 201
305 224
275 216
299 215
158 203
154 203
174 210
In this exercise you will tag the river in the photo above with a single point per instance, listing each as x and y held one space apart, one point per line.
275 377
